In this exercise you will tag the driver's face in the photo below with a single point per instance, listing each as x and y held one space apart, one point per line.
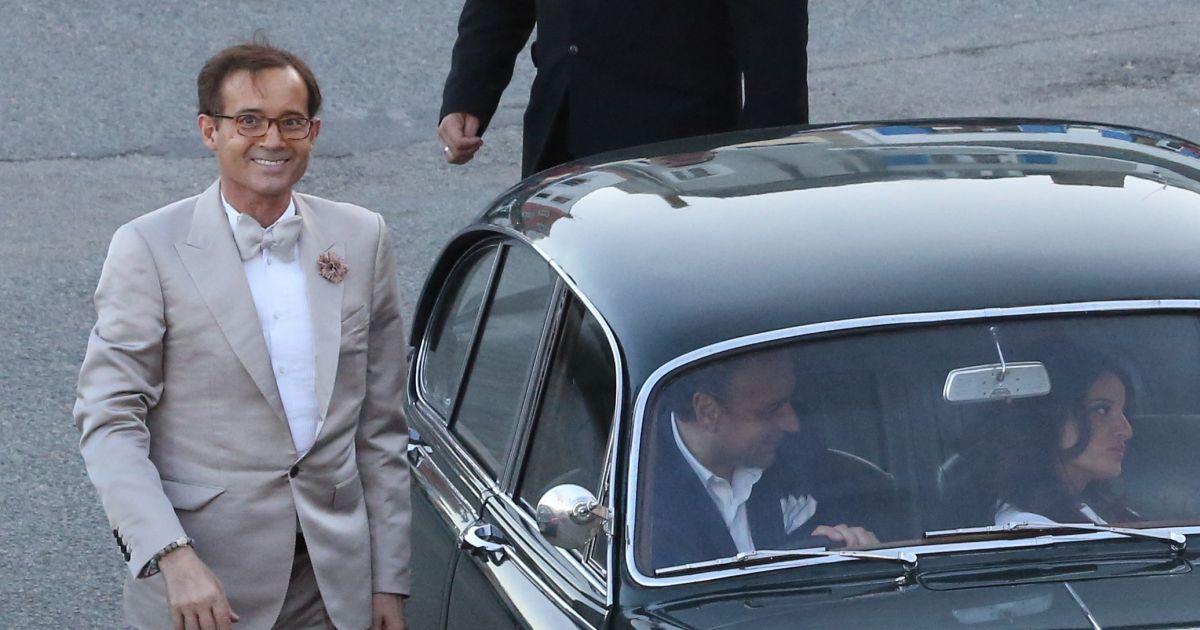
757 412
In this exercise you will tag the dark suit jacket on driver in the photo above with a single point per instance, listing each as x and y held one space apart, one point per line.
686 527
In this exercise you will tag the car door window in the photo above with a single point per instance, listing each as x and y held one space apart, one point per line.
452 328
573 422
498 377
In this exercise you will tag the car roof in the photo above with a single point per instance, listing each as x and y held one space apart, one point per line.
686 244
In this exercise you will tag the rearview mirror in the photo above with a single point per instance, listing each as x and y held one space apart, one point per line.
998 381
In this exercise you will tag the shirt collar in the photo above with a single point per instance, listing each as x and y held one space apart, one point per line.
232 213
706 476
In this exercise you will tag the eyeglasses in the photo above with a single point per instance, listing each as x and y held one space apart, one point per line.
255 126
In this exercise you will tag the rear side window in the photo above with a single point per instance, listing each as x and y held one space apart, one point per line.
498 377
452 328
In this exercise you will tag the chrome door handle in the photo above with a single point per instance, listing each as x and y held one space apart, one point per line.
418 448
484 541
417 452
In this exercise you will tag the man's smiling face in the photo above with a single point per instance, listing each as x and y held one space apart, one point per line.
259 172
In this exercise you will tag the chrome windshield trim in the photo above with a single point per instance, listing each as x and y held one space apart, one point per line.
651 383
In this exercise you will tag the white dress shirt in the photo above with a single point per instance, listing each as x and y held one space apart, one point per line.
730 498
1008 514
281 299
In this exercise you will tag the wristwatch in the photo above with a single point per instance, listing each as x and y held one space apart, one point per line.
152 566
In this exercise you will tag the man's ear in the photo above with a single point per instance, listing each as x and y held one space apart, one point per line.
208 130
707 410
315 130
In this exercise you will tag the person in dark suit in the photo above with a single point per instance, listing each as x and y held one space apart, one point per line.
620 73
734 471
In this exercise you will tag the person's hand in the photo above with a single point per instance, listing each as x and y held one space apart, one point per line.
195 596
459 133
846 536
387 612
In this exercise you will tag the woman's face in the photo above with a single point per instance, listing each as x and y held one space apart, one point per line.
1104 411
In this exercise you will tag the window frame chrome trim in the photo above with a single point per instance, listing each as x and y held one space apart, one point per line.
859 323
610 573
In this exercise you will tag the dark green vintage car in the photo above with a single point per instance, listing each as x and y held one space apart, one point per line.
923 374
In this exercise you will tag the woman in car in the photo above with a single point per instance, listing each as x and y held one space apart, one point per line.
1060 453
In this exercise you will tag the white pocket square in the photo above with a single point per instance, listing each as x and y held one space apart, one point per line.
797 511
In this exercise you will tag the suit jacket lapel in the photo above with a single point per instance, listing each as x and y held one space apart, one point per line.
765 515
211 259
688 527
324 302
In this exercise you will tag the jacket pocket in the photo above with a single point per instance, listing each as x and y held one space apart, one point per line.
347 494
189 496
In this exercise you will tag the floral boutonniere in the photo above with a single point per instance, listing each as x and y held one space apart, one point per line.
332 267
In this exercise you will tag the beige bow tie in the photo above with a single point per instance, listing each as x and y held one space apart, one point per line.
279 239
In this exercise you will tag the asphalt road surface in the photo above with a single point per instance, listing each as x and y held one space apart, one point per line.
97 126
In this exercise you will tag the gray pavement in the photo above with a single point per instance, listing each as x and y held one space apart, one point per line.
97 126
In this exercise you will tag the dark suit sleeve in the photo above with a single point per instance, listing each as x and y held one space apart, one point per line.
490 35
770 39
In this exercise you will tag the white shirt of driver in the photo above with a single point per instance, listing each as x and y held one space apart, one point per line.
729 497
281 299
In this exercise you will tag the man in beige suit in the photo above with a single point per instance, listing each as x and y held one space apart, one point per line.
239 403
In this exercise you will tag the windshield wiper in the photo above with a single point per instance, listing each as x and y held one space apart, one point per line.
906 559
1177 541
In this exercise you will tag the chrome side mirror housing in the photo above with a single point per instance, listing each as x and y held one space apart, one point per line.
569 516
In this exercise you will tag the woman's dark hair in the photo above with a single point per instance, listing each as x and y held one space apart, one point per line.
1025 435
255 55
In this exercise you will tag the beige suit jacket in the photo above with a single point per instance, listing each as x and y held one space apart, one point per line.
184 433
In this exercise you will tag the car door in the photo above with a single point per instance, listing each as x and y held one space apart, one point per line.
567 441
447 491
477 379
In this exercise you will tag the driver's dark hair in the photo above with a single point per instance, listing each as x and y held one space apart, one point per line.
713 378
255 55
1024 435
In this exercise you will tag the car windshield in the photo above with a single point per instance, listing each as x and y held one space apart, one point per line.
870 440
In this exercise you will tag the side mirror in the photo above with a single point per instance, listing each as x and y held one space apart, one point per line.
569 516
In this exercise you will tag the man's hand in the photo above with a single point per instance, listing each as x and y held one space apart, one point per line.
387 612
459 133
195 596
849 537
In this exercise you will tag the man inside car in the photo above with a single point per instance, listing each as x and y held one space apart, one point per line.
736 472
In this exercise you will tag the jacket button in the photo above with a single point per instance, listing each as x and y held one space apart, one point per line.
573 49
295 470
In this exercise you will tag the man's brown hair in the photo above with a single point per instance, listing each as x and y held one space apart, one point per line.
254 56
